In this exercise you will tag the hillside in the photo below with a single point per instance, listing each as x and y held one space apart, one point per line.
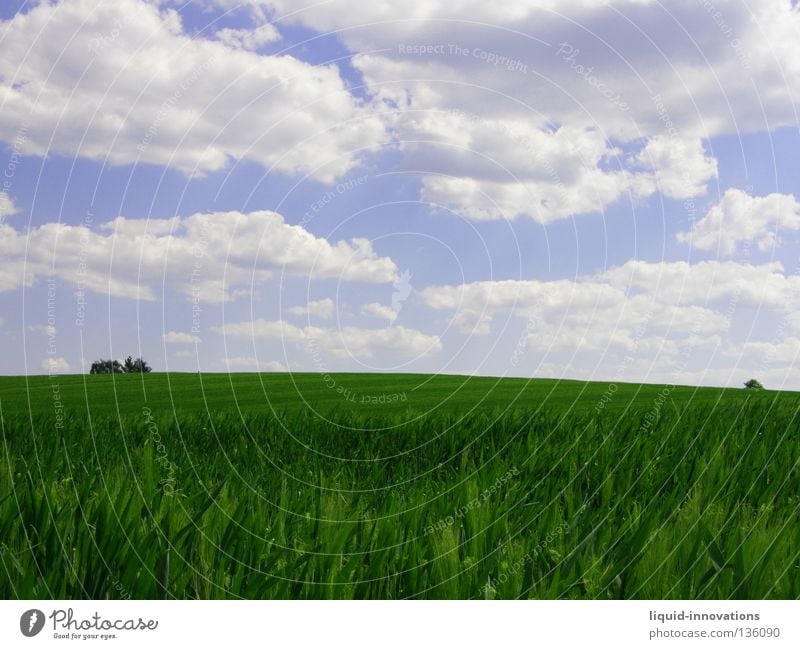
339 395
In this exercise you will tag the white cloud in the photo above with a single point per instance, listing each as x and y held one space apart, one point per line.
348 342
7 207
361 343
378 310
55 365
679 81
487 168
492 169
214 257
249 39
272 329
320 308
252 363
768 353
42 329
626 72
682 169
591 310
723 284
696 69
640 316
180 338
774 363
334 14
739 218
121 82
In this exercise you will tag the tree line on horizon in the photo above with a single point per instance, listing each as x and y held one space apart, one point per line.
129 366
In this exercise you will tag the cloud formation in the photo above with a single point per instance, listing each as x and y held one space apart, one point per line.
319 308
251 363
7 207
56 365
740 218
180 338
576 81
378 310
122 82
348 342
209 257
632 308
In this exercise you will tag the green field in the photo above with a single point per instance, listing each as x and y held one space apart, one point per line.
342 394
394 486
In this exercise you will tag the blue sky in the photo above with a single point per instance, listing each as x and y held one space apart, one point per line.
604 192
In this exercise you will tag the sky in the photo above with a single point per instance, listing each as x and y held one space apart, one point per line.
603 191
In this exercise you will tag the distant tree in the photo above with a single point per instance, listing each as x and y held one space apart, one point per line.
138 366
130 366
753 384
106 367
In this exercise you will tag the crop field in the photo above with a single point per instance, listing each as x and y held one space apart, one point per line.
404 486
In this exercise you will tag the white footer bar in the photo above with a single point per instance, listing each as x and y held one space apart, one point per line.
379 624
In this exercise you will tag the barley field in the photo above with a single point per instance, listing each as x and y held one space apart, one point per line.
411 486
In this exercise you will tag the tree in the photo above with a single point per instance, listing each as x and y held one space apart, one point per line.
128 366
753 384
138 366
106 367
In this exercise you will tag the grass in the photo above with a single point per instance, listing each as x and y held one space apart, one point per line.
344 394
278 486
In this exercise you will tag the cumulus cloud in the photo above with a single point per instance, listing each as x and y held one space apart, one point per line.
331 15
740 218
503 168
639 308
42 329
54 365
211 257
249 39
686 70
767 353
180 338
252 363
320 308
378 310
682 169
624 72
723 284
591 312
552 110
348 342
7 207
121 82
